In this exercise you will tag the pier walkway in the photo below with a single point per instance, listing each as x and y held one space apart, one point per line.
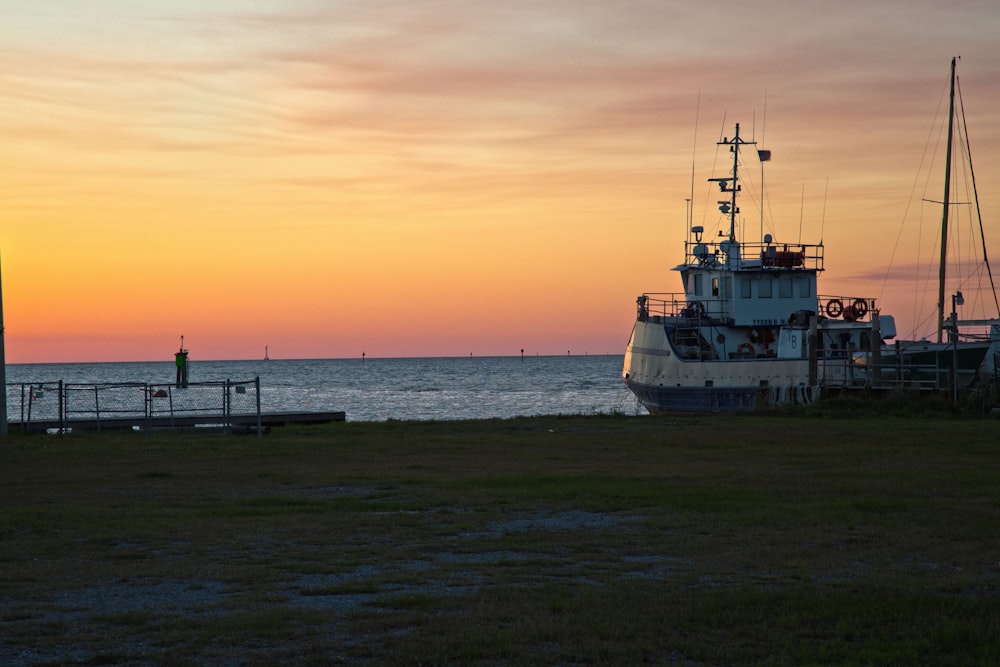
233 406
245 423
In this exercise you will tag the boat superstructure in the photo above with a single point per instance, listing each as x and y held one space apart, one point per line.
749 327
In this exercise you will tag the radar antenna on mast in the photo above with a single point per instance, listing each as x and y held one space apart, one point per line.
731 184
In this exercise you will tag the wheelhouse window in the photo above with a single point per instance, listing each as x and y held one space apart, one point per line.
764 285
745 288
785 287
804 286
694 284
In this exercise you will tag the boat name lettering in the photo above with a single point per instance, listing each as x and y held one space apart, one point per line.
766 323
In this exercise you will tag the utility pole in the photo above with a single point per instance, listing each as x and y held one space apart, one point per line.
3 367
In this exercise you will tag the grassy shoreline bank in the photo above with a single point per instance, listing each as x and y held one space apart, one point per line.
592 539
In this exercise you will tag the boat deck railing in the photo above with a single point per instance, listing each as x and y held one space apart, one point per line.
835 370
849 308
766 256
652 305
836 367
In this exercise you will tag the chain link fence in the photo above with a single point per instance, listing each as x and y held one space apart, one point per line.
60 405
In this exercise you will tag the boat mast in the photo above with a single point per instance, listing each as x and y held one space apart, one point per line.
946 205
735 148
736 164
730 184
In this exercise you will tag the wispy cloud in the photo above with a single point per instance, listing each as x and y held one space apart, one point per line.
404 138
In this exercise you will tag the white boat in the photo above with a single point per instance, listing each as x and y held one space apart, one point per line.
749 328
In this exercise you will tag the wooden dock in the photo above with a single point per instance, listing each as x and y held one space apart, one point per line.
242 422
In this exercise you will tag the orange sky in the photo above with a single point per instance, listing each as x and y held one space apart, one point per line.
446 178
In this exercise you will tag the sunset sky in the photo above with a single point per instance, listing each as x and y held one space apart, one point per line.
407 178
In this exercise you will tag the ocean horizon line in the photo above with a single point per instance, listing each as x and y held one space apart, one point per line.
363 358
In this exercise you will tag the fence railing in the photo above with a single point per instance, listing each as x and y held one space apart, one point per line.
61 405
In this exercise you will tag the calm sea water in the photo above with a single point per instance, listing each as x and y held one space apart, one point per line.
381 389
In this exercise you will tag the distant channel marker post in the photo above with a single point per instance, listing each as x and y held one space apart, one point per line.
180 359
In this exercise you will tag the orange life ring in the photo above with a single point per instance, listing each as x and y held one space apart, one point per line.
746 348
860 308
834 308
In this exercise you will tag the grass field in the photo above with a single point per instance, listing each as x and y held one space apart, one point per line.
580 540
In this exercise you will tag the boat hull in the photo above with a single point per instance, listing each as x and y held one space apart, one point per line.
664 380
922 361
661 400
658 400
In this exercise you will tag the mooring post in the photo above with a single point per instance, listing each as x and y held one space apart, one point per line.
813 368
876 348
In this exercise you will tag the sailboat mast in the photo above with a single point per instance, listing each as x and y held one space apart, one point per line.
946 205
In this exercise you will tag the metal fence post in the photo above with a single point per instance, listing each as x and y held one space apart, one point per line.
97 406
148 393
256 384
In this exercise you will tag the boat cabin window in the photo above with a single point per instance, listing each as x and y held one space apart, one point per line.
785 287
694 284
744 288
715 287
805 286
764 285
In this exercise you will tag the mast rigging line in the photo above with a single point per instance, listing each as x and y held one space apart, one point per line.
921 176
822 220
706 206
694 152
975 193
